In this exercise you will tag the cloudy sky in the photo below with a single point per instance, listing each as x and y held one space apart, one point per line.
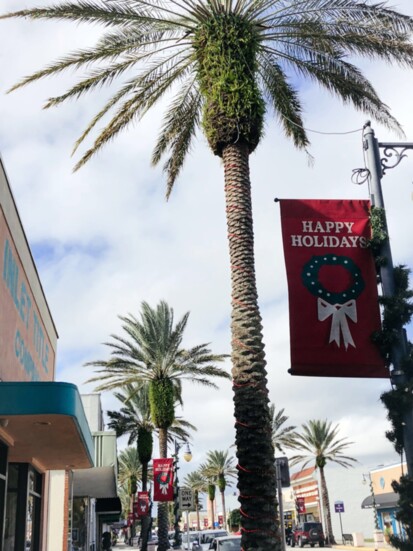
104 239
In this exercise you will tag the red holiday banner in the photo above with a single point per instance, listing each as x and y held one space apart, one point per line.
141 506
163 480
332 288
300 505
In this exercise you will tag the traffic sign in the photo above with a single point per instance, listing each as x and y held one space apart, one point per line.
339 506
186 499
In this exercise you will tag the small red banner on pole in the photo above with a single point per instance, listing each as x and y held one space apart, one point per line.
332 288
141 506
163 480
300 505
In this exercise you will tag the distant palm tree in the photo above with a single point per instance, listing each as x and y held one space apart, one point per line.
198 484
134 418
129 469
129 474
228 62
152 357
124 499
319 445
219 468
211 497
282 437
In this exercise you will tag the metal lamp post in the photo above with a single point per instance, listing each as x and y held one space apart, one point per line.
377 167
177 513
367 479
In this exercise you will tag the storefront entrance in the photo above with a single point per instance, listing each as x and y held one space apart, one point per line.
3 478
20 505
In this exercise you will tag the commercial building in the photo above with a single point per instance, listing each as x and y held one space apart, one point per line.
382 499
44 434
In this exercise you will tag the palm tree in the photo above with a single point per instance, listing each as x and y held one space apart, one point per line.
319 444
124 499
134 419
219 467
130 469
196 481
151 357
228 62
129 474
211 497
282 437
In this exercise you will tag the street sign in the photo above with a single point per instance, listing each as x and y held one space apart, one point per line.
339 506
186 499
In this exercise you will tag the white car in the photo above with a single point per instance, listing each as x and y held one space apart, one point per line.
207 536
226 543
193 537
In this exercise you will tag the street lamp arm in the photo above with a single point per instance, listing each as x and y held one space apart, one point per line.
390 150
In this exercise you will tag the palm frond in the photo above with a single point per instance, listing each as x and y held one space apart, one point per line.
151 49
284 100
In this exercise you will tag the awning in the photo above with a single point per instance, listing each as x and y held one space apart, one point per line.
44 424
109 506
383 501
99 482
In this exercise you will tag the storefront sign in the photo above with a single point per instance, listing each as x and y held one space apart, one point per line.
25 346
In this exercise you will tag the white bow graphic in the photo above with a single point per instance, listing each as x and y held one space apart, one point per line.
340 312
164 487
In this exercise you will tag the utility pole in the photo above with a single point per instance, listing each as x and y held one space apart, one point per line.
393 152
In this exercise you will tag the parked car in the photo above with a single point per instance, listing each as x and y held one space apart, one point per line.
206 537
308 533
226 543
193 538
171 536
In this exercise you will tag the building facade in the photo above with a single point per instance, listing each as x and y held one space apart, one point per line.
43 426
382 499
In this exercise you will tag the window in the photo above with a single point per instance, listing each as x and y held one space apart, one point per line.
23 506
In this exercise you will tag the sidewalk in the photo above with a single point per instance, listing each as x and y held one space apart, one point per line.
368 546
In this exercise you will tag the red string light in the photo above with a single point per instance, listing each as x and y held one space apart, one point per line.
241 385
242 304
243 424
251 471
244 514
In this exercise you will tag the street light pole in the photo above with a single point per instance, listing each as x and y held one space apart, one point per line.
367 477
377 168
177 513
280 502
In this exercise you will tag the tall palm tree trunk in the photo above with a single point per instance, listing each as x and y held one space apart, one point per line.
163 542
198 524
326 508
146 521
212 501
255 452
224 514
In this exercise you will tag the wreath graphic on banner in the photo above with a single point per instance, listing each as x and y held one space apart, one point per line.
164 481
338 306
